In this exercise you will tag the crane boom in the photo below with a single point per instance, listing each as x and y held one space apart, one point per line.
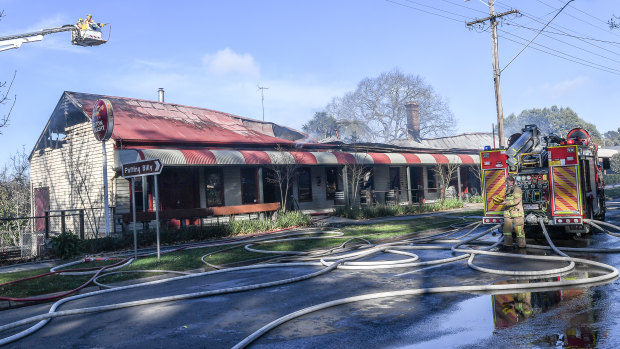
78 37
64 28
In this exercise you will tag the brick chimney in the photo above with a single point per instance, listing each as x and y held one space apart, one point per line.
413 121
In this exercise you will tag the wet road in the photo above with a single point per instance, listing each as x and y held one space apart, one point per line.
583 317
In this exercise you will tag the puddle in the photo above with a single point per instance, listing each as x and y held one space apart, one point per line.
468 323
558 318
510 310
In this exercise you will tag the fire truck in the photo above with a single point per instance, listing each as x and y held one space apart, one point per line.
561 180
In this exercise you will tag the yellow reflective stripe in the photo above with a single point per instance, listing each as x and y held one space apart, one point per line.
518 195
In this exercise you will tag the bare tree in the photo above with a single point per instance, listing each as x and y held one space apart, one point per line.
15 195
284 166
477 171
5 98
79 170
376 108
357 172
445 173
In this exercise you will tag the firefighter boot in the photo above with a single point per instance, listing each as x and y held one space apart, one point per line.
520 237
508 240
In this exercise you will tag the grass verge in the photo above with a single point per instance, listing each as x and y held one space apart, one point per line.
190 259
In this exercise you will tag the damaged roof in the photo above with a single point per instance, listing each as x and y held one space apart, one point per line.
474 140
141 121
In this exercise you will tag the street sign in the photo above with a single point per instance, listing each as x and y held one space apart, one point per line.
151 167
142 168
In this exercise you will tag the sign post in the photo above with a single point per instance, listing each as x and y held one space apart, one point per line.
103 125
141 169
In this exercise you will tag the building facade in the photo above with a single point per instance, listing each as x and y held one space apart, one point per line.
214 159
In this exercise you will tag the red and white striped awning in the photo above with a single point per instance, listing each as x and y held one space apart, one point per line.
183 157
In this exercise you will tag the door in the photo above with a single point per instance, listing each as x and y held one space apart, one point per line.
41 205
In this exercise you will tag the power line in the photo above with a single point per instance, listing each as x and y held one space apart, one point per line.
425 11
605 69
541 48
555 9
463 6
565 34
579 19
587 42
589 15
583 49
437 9
537 34
574 59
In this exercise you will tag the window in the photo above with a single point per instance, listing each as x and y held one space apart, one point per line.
394 177
331 182
143 191
304 184
214 187
249 187
139 193
431 179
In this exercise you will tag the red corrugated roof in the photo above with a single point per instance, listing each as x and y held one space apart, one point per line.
155 122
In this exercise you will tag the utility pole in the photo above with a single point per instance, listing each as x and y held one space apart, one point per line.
262 95
496 72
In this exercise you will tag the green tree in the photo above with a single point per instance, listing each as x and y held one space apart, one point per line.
615 162
321 126
550 120
376 109
611 138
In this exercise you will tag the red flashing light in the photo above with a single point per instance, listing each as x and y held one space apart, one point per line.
570 141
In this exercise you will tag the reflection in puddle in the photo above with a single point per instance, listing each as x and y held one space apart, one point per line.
557 319
511 309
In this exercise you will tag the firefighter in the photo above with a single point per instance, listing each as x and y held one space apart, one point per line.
513 214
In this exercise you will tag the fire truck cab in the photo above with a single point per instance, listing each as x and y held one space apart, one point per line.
561 180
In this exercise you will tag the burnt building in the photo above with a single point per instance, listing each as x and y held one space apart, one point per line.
216 159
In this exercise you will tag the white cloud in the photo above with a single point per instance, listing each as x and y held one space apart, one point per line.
289 100
225 62
565 87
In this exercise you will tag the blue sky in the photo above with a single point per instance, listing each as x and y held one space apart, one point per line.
214 54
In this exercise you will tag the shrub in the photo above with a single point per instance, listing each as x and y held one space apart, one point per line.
367 212
615 162
476 199
611 178
198 233
66 245
612 193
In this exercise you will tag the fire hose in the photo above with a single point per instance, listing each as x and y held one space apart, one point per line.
348 259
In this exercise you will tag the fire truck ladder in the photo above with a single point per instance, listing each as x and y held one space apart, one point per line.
15 41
